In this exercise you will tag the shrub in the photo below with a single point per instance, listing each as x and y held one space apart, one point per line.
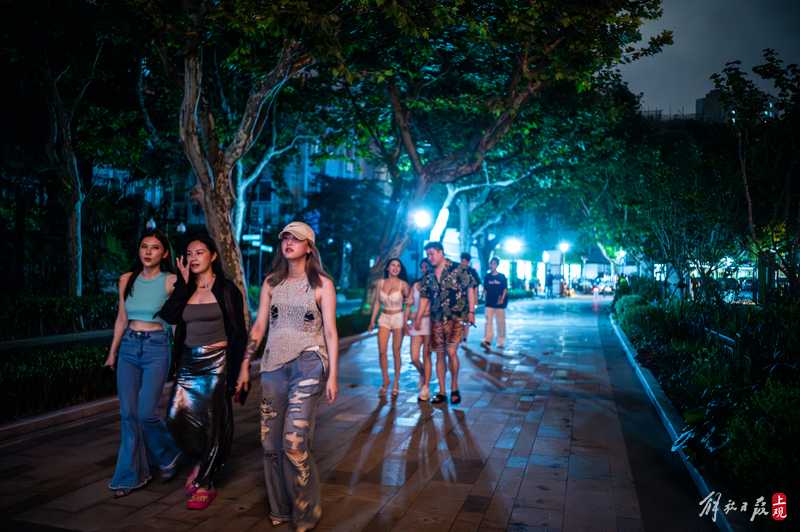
351 324
763 436
41 380
625 302
41 316
644 322
647 287
518 293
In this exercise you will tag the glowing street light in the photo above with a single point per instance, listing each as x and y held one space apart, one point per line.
513 245
564 247
151 224
422 218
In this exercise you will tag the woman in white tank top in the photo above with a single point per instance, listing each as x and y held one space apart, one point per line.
421 339
392 298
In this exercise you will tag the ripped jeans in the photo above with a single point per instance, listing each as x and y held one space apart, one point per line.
288 410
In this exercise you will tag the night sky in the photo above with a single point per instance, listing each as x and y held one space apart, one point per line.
707 34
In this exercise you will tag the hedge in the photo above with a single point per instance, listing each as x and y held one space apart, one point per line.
41 380
28 317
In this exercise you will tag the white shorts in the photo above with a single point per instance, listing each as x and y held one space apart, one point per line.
424 328
391 321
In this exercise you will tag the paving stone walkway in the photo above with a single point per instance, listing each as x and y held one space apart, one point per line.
553 433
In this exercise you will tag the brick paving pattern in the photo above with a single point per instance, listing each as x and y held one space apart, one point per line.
537 444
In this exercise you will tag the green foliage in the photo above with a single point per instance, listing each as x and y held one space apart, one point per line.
42 316
32 382
625 302
519 293
763 436
352 324
641 321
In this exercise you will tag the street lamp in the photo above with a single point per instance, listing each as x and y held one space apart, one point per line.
151 224
564 247
422 218
181 228
513 245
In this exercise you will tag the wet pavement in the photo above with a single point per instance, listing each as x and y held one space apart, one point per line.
554 433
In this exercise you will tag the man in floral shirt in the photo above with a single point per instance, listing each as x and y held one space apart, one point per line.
447 293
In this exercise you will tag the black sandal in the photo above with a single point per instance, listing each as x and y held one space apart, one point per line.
438 398
455 397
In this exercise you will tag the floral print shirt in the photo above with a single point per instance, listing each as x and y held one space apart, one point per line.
448 295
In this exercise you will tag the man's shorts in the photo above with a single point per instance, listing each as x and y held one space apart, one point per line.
446 334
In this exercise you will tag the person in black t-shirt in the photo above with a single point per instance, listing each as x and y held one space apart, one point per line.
466 259
495 287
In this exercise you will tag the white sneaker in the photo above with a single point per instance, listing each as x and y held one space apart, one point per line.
424 394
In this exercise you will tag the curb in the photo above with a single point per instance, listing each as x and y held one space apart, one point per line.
31 428
669 416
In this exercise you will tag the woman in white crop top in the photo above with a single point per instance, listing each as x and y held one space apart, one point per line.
392 298
421 338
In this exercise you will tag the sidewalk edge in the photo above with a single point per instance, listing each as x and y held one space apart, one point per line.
669 416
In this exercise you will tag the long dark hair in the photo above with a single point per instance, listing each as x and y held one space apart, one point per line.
279 270
216 264
422 275
403 276
167 262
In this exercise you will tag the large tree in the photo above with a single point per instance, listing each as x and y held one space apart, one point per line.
231 60
434 87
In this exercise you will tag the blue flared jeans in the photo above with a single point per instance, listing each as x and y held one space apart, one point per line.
142 368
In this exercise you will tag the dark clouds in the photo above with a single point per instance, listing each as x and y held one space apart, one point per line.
707 34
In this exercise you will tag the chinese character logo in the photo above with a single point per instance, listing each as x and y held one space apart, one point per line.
779 507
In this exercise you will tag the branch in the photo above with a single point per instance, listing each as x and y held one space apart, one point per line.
190 139
289 64
401 116
148 122
89 80
270 154
496 219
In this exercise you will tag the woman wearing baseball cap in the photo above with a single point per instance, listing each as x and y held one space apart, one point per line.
300 363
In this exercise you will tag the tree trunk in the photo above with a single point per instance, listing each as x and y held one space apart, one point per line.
605 256
465 235
401 235
220 227
20 215
75 246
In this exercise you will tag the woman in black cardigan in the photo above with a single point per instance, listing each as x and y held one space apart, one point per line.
209 346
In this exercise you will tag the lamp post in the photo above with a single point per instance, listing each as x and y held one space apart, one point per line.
564 247
422 219
513 246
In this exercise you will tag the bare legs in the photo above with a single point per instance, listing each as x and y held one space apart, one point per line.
383 344
422 343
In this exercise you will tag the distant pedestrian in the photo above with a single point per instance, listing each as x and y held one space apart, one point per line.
466 262
495 286
447 294
210 336
548 285
299 365
140 352
393 300
421 338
